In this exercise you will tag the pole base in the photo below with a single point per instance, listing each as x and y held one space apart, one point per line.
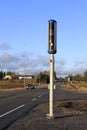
50 116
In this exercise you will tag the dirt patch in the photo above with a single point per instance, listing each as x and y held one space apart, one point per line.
11 89
82 89
69 115
75 87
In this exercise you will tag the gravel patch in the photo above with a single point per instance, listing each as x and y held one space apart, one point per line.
69 115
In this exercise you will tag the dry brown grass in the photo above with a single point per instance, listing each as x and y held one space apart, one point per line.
6 85
78 86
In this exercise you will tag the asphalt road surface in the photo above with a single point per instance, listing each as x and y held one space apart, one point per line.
14 104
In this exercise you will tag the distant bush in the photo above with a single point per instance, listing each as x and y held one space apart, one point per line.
42 78
79 77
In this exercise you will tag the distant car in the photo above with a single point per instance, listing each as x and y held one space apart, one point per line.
30 86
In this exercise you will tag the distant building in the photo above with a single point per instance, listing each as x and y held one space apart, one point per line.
25 77
7 77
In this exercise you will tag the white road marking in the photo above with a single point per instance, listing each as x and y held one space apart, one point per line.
40 96
34 99
11 111
44 93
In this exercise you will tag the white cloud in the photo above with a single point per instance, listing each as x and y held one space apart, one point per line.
8 62
7 58
5 46
79 67
24 62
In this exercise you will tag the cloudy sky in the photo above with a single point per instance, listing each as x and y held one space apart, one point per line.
24 35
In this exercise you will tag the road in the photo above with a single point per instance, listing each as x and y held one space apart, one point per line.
14 104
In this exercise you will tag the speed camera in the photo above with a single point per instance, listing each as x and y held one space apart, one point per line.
52 36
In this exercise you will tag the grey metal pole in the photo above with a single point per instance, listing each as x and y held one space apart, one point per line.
51 86
52 49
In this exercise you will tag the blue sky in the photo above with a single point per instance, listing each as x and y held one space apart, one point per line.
24 35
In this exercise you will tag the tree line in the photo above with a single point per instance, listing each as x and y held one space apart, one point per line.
43 77
78 77
3 74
